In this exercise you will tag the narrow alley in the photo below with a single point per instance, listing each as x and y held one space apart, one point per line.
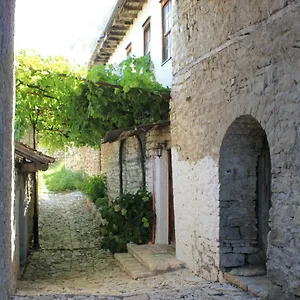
71 265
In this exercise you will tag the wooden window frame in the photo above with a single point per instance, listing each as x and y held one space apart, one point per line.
128 49
165 35
147 32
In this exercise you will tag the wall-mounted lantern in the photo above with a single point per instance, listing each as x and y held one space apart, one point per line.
158 150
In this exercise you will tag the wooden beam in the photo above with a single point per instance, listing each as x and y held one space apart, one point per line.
31 167
134 8
117 33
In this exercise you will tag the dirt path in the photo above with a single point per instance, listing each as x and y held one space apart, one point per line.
71 262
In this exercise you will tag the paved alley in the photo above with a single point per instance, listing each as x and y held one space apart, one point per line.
71 265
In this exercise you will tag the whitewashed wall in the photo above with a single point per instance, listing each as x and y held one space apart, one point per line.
135 36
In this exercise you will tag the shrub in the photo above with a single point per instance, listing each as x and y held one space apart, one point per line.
127 219
64 180
95 187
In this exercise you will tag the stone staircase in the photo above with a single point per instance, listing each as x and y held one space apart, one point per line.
148 260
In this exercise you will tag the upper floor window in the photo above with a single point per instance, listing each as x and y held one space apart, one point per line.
167 25
128 50
147 36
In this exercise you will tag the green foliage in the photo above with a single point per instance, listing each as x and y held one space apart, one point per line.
63 179
44 89
118 96
68 104
95 187
127 219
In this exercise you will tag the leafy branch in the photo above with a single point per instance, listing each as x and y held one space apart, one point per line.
68 104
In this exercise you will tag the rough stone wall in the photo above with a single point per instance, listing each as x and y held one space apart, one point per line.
132 165
132 169
6 145
240 151
232 59
111 168
83 159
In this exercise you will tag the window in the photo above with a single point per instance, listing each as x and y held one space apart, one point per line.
147 36
166 25
128 50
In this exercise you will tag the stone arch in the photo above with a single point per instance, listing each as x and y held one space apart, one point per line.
245 196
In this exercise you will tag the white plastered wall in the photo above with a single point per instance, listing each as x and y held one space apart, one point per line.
196 207
135 36
162 199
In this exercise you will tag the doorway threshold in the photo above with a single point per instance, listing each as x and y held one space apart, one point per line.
256 283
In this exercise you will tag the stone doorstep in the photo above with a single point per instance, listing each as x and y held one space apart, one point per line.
158 258
259 286
131 266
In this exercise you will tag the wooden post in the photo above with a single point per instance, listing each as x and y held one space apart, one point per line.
36 243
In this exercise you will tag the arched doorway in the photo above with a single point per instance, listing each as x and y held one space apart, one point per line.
245 177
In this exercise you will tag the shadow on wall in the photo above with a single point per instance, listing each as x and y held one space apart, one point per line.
245 196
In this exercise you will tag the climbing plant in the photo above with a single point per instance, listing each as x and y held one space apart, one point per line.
64 103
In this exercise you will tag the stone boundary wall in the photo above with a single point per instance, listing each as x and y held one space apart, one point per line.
233 59
132 169
85 159
111 168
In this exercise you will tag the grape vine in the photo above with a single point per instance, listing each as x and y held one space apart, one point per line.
68 104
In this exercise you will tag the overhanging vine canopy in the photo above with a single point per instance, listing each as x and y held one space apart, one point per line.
70 104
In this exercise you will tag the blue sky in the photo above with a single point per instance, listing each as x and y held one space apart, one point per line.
61 27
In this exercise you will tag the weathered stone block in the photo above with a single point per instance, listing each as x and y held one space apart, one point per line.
246 250
230 233
226 249
248 232
295 287
277 238
232 260
241 221
255 259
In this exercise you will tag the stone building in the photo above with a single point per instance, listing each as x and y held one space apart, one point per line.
140 157
27 163
6 145
128 155
235 138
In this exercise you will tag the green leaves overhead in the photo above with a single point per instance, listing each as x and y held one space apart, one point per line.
69 104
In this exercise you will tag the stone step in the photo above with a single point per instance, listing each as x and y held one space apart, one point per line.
157 258
131 266
249 271
259 286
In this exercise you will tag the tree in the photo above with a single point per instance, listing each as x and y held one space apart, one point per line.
63 103
44 88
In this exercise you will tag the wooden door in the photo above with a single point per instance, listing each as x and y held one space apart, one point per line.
171 202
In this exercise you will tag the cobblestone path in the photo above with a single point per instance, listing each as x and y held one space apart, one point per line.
70 264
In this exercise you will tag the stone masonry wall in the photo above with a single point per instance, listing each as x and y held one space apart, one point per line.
6 145
111 168
132 169
241 148
83 159
232 59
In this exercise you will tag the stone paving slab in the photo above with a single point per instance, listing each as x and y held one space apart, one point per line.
71 265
